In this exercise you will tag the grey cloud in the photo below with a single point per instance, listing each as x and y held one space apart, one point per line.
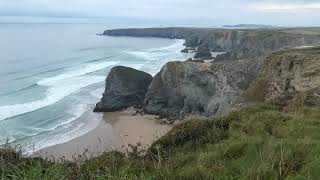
227 11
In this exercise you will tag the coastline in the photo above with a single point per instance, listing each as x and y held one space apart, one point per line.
115 131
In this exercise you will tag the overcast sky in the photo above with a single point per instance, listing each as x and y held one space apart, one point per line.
275 12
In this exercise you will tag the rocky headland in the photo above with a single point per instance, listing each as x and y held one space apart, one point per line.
180 89
239 43
202 89
209 89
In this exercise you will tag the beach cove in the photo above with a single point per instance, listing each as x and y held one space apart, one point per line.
115 131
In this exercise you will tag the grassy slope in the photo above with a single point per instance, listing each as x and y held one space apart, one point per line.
255 143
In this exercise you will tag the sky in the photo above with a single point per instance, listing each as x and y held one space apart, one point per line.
215 12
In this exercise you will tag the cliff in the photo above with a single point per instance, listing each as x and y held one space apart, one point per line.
202 89
288 78
239 43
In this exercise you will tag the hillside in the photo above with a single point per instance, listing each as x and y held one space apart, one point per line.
261 141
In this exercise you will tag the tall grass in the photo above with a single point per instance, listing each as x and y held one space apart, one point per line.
258 142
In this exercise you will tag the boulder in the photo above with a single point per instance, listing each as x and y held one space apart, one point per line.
201 89
125 87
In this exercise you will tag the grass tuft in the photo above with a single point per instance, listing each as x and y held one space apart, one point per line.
260 142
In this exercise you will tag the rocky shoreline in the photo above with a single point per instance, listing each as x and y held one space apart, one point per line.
180 89
238 43
273 135
196 87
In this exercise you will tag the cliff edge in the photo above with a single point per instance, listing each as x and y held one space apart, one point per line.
288 78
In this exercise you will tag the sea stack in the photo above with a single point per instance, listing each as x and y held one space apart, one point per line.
125 87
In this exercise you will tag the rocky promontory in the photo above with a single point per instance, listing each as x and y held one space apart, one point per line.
239 43
125 87
209 89
200 89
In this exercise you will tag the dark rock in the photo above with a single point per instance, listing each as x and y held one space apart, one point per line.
185 50
188 50
125 87
205 89
225 56
204 53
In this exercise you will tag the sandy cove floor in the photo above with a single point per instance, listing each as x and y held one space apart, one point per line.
115 131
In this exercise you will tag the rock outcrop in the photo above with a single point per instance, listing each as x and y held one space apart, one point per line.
203 53
193 88
241 44
288 78
125 87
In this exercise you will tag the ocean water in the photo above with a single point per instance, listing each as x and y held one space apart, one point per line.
52 74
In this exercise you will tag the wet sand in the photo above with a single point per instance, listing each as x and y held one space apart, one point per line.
115 131
131 128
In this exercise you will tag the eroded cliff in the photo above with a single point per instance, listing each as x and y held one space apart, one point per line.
194 88
239 43
288 78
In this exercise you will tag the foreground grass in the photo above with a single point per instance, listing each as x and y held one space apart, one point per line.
258 142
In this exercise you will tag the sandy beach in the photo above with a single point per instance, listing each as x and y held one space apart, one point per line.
115 131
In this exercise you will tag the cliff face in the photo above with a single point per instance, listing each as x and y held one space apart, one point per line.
288 78
239 43
125 87
210 89
191 88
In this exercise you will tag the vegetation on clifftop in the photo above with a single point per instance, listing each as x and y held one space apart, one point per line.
289 78
258 142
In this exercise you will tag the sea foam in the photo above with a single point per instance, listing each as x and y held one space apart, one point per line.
78 72
159 53
77 130
54 94
60 86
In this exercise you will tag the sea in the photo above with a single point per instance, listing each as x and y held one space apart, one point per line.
51 74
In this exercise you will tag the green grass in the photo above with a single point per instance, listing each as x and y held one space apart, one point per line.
259 142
